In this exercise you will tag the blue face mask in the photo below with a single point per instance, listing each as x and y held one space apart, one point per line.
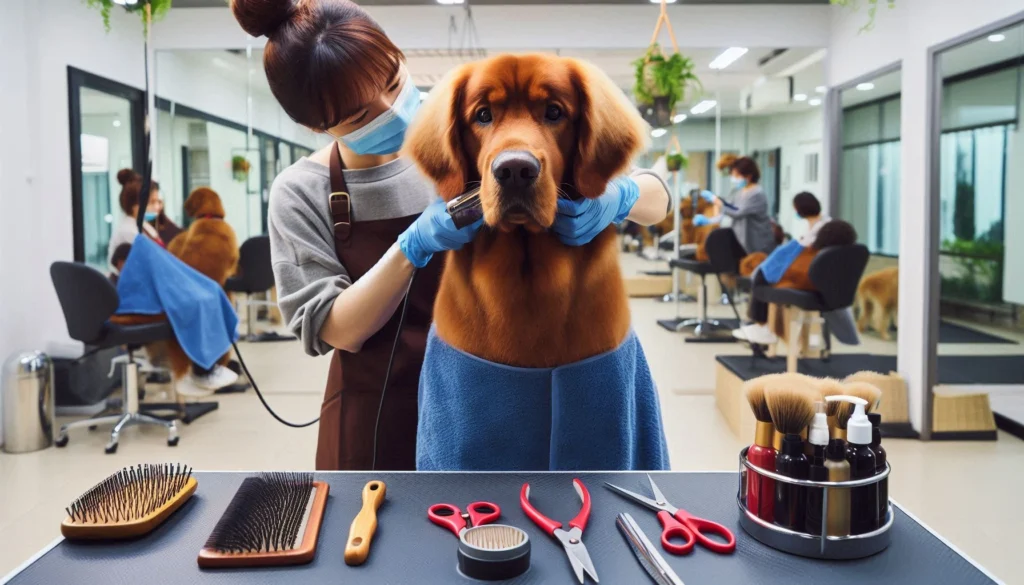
738 182
151 215
385 133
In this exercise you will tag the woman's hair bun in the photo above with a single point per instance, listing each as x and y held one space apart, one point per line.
261 18
125 176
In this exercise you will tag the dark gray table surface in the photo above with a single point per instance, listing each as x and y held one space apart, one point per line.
408 549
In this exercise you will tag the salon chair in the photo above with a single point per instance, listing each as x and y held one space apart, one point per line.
724 254
88 300
255 276
835 273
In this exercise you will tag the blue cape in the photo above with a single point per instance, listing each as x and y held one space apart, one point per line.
776 264
154 281
600 413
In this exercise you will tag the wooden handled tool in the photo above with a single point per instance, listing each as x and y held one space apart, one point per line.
357 549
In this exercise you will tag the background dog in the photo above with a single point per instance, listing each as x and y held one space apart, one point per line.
528 128
878 298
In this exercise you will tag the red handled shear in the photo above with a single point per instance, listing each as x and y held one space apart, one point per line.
678 523
572 539
452 518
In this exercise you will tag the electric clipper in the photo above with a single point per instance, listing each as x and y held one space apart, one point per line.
465 209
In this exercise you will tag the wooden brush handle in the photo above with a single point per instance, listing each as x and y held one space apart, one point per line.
357 548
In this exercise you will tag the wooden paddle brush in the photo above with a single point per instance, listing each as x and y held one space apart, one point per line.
129 503
273 520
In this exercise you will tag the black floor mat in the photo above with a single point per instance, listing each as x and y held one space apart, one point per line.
953 369
729 324
954 333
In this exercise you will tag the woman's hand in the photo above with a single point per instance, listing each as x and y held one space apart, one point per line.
432 232
701 220
579 222
708 196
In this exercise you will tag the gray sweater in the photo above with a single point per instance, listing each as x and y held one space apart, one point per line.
306 268
750 220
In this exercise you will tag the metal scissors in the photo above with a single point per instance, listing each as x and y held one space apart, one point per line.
452 518
572 539
678 523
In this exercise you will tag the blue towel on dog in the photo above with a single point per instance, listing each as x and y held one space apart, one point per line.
154 281
600 413
776 264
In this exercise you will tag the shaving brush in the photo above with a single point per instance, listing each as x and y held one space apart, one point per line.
791 404
831 387
760 489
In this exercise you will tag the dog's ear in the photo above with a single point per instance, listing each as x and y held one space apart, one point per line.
434 140
611 131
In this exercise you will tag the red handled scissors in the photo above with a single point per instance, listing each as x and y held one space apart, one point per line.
572 539
678 523
452 518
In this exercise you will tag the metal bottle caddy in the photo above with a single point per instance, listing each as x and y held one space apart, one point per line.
854 546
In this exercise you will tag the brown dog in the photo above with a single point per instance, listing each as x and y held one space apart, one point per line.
528 128
878 297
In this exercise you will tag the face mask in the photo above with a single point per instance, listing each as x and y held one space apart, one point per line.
151 215
385 133
738 182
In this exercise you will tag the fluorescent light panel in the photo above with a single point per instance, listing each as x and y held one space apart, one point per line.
703 106
865 86
728 57
678 118
821 89
658 132
997 38
815 102
800 97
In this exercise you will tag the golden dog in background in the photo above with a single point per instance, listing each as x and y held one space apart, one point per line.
878 297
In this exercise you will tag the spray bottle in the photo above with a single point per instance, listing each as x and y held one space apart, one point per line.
817 439
860 456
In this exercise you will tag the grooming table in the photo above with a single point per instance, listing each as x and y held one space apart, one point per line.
409 550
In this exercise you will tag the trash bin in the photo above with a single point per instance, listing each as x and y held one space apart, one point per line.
27 402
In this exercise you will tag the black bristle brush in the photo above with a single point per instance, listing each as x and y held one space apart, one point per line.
129 503
273 519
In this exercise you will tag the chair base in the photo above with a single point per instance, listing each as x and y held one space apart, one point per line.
268 336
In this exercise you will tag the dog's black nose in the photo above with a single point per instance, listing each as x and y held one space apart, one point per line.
515 168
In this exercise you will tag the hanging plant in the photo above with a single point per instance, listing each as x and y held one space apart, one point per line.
872 9
676 161
158 7
240 168
661 83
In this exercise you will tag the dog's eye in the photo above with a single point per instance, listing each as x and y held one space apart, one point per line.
553 113
483 116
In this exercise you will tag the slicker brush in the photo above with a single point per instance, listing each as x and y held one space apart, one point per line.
869 392
273 519
129 503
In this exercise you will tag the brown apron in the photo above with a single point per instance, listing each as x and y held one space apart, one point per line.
349 411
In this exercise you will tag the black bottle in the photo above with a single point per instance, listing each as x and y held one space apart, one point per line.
860 456
883 486
791 500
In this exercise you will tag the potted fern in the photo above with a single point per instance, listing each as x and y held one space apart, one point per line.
240 168
676 161
158 9
661 83
872 9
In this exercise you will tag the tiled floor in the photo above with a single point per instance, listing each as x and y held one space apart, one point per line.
964 491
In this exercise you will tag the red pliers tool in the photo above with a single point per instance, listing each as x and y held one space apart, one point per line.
571 539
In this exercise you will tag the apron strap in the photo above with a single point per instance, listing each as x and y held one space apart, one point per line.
341 201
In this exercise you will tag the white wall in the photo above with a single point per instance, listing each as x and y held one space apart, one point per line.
904 34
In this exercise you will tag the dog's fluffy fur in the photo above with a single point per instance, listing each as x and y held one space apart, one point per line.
878 300
516 294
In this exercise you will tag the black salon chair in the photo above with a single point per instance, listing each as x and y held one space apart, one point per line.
255 276
88 300
835 273
724 255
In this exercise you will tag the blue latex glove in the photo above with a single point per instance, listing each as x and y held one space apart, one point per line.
579 222
432 232
701 220
707 196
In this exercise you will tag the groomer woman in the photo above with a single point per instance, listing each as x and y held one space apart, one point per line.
749 210
343 262
126 229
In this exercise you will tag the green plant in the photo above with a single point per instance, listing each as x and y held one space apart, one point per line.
240 168
676 161
656 77
872 9
159 8
978 270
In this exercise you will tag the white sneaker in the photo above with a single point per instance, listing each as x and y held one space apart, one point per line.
218 378
759 334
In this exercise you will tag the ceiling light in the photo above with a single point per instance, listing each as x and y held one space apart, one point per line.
800 97
997 38
703 107
658 132
728 57
865 86
117 123
678 118
821 89
815 102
